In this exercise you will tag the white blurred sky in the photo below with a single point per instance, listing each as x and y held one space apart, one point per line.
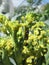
17 2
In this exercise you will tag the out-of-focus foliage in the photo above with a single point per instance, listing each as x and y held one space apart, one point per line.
34 1
42 11
23 9
45 7
26 40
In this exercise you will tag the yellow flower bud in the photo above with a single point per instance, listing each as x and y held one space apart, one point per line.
25 50
29 59
48 40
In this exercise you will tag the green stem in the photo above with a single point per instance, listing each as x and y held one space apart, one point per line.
6 60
